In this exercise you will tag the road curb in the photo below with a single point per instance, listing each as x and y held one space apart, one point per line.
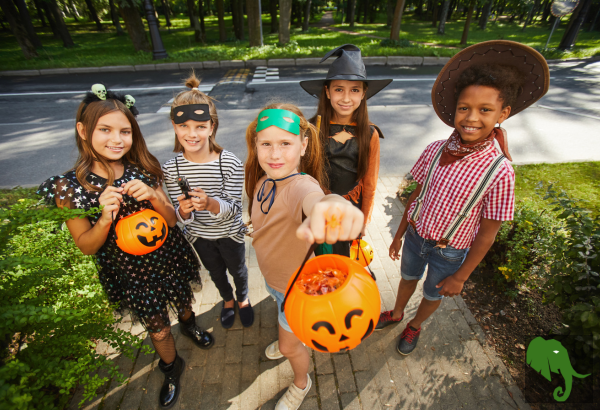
274 62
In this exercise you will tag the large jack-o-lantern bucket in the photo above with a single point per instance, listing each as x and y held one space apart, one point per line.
336 321
141 232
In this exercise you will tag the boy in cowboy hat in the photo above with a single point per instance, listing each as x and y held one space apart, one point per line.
465 183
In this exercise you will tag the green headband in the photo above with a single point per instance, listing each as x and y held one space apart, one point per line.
282 119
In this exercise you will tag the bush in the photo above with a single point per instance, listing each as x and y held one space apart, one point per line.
520 247
574 283
53 311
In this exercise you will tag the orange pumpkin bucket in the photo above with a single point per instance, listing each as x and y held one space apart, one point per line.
344 316
361 252
141 232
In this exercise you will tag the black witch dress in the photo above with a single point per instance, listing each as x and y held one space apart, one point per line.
145 285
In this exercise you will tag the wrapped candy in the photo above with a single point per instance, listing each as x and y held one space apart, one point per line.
322 282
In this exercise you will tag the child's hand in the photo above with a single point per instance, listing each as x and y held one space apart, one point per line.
111 198
395 249
139 190
186 207
331 221
450 286
199 199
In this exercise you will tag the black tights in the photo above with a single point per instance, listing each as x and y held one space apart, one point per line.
164 343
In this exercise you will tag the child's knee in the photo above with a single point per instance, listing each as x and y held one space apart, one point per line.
289 347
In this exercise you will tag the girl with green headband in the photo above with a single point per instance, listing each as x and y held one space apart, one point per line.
289 212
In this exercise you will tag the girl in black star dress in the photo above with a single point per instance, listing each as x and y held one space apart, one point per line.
115 170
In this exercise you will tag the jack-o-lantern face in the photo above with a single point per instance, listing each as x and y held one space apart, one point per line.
361 252
142 232
336 321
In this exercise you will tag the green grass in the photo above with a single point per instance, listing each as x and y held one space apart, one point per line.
588 44
580 180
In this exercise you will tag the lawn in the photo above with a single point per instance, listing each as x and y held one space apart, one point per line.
580 180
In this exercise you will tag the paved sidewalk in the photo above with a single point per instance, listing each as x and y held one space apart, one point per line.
452 367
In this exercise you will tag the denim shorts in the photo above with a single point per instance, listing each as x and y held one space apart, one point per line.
419 253
278 297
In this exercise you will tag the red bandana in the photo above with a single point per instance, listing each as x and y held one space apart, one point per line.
455 149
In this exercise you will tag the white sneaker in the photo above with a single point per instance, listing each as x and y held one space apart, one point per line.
272 351
293 397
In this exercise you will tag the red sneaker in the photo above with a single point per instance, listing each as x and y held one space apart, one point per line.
408 340
386 319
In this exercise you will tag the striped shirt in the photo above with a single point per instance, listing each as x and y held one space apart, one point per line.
226 190
450 187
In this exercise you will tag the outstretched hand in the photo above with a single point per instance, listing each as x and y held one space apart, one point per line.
331 221
450 286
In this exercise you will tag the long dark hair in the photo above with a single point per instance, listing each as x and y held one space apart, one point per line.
138 155
363 129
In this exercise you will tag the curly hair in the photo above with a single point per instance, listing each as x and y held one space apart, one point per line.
508 80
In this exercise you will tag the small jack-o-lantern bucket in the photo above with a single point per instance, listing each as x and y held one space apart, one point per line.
141 232
335 321
361 252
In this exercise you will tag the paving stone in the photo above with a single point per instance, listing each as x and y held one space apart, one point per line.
359 358
343 370
152 387
517 396
192 388
251 335
231 385
369 396
135 389
114 395
402 382
250 381
323 363
210 64
195 357
211 397
269 384
309 403
328 392
350 401
233 346
214 365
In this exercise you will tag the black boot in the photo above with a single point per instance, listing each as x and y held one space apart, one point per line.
201 338
170 388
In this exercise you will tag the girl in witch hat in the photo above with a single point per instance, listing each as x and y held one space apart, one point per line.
351 142
465 183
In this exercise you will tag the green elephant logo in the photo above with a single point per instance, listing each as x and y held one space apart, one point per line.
547 356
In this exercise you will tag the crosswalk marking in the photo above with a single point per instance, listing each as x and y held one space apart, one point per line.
264 74
167 106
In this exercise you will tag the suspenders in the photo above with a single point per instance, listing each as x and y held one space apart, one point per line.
472 201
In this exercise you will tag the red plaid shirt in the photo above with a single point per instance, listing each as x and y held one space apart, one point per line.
449 189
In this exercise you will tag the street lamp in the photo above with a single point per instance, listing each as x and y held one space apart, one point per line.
158 50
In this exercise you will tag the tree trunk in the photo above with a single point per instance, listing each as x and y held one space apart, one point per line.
221 19
285 16
434 16
166 12
395 32
365 11
193 15
547 6
115 18
570 36
202 26
306 15
240 5
465 34
60 24
134 25
27 24
352 4
273 12
443 17
485 15
18 30
253 8
389 8
93 14
53 25
40 12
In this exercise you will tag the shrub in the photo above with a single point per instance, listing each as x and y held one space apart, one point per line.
53 311
574 283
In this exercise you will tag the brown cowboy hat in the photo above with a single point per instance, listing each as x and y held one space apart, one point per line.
504 52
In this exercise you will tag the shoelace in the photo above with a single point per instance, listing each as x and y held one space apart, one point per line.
387 316
409 334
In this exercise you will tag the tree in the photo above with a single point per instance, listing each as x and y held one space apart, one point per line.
221 19
93 14
351 12
485 15
61 27
570 36
395 32
134 24
253 8
40 12
285 16
26 22
202 26
237 17
306 15
443 17
273 12
389 8
115 18
465 34
191 6
18 30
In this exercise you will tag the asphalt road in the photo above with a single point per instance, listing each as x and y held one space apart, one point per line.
37 115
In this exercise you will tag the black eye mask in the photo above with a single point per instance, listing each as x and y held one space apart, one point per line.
196 112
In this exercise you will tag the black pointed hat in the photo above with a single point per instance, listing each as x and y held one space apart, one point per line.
348 66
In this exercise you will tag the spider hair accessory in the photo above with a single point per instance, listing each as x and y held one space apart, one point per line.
195 112
100 93
282 119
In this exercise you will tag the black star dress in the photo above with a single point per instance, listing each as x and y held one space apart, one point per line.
145 285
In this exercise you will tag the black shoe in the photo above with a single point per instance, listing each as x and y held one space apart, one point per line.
201 338
247 315
408 340
227 316
169 393
386 319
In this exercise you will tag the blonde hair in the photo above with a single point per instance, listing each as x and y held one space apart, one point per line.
195 96
311 163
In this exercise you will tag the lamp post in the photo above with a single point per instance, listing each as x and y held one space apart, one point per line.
158 50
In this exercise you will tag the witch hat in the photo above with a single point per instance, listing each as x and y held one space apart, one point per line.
348 66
